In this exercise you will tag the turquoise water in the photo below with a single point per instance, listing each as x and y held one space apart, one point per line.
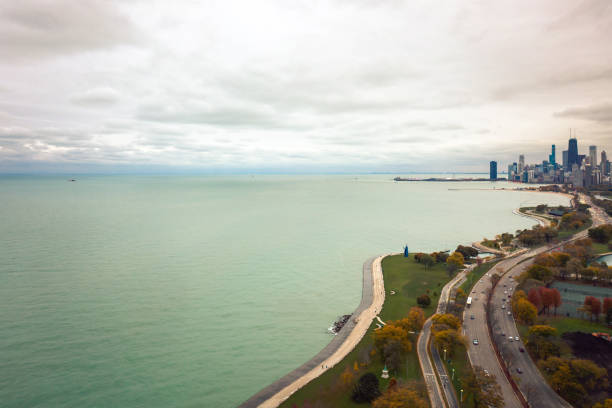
185 291
606 258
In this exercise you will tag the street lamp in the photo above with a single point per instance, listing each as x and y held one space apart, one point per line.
453 377
461 399
444 354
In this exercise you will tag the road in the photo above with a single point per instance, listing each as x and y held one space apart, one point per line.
429 374
531 383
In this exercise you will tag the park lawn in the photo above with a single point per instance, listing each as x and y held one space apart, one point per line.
600 248
571 324
408 279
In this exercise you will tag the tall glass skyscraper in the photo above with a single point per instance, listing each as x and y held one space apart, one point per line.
572 152
493 170
551 158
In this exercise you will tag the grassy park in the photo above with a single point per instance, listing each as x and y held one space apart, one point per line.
408 279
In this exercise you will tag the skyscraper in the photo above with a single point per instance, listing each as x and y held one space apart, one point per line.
572 152
566 167
593 156
603 165
551 157
493 170
521 164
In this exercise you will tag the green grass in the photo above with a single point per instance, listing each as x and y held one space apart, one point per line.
564 234
570 324
408 279
600 248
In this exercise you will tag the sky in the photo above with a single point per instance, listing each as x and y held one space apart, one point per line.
288 85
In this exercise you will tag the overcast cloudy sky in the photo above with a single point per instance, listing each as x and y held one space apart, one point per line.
368 85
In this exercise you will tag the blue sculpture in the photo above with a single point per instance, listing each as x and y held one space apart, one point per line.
406 251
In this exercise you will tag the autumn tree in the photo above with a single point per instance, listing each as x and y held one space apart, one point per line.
484 388
454 262
607 305
561 258
526 312
415 319
556 299
539 272
592 305
574 268
448 339
400 397
391 333
347 379
535 298
606 404
518 295
548 298
446 319
574 379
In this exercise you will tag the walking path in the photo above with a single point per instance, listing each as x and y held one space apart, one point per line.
372 299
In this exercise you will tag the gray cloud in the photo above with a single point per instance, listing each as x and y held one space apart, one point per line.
96 97
597 113
32 29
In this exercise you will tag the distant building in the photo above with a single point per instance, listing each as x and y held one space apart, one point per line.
493 170
565 162
604 166
593 156
572 152
521 164
551 156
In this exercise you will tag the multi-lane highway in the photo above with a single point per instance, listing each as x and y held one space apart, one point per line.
530 382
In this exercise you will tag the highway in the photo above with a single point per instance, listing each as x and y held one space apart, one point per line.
531 383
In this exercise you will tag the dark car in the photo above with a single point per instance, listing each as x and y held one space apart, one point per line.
522 350
518 370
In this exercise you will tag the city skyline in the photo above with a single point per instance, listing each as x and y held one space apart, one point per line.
332 86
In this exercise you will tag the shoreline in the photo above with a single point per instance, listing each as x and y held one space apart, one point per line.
372 300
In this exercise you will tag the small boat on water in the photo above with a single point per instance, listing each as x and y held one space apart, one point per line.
71 179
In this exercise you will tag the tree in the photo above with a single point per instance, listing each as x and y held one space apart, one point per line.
556 299
548 298
484 388
424 300
448 339
389 333
561 258
601 234
526 312
607 305
427 260
400 397
506 238
415 319
347 378
606 404
535 298
539 272
454 262
366 389
574 268
392 354
592 305
467 251
446 319
574 379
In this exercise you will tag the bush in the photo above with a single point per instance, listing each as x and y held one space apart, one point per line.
366 389
424 300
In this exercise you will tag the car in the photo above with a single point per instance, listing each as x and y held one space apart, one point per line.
516 338
505 292
509 313
473 291
503 306
475 342
518 370
504 285
486 373
503 299
503 334
522 350
472 317
510 338
509 296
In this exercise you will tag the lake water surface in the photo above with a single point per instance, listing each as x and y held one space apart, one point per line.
185 291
